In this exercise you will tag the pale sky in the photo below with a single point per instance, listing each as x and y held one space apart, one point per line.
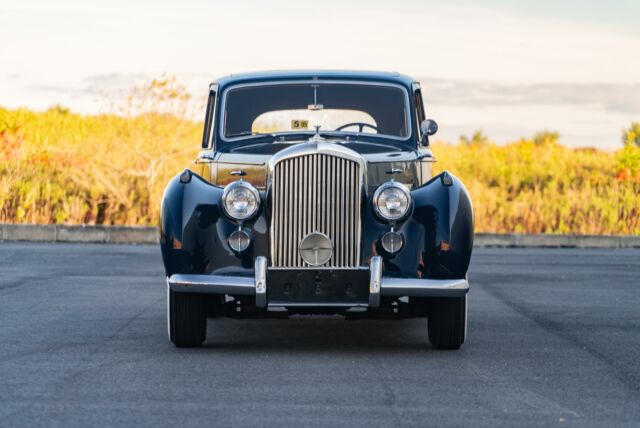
508 67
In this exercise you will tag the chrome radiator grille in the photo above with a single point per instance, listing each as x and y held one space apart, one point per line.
316 193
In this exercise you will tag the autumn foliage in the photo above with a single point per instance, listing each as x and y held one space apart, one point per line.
61 167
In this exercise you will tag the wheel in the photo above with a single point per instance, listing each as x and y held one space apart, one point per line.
447 322
186 318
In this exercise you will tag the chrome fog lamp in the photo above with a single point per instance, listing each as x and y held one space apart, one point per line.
392 201
239 240
240 200
392 242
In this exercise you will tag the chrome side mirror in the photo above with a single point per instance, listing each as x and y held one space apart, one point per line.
428 127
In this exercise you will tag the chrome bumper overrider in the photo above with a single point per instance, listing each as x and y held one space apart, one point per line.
378 285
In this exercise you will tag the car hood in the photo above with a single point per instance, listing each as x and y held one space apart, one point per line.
383 162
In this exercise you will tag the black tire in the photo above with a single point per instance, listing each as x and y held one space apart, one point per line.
447 322
187 319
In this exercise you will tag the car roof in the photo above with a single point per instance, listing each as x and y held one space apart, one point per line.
270 76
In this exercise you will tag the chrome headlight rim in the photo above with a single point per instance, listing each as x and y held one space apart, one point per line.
382 188
248 186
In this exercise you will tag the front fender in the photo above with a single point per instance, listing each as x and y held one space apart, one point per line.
194 230
188 204
438 233
444 207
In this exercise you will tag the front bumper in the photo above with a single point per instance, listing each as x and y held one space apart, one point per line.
257 286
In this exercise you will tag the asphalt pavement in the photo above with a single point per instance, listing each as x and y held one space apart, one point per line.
553 339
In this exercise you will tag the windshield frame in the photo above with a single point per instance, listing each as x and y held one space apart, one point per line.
355 135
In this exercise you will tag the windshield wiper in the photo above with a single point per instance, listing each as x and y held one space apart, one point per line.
244 133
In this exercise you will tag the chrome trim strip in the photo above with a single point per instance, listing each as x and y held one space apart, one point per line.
213 284
168 311
328 268
240 162
261 281
316 305
418 287
375 281
315 148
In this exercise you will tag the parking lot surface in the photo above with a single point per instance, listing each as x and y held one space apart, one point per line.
553 339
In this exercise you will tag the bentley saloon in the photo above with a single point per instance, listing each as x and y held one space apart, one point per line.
313 193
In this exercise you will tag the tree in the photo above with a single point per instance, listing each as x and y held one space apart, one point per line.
546 137
477 139
631 135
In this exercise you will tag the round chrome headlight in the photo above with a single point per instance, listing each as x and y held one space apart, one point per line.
240 200
392 201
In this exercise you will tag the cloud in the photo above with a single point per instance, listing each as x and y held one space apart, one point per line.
615 98
114 81
112 86
611 97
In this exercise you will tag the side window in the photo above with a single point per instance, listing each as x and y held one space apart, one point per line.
208 120
417 98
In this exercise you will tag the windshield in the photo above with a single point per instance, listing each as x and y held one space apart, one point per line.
369 109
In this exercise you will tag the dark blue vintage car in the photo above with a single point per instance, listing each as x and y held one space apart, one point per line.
314 193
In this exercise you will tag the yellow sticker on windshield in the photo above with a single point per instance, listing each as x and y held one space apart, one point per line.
299 124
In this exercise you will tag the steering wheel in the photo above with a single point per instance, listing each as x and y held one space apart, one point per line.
360 125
